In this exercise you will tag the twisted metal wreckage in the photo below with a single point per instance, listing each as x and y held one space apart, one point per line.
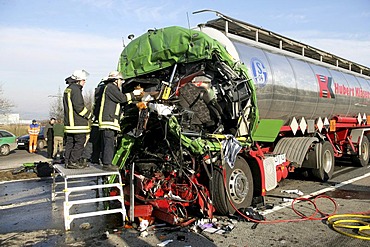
185 143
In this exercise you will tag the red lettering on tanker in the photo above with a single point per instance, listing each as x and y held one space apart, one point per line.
343 90
326 91
325 86
362 93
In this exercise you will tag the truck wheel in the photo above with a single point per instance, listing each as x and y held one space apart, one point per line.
326 166
239 185
4 150
363 158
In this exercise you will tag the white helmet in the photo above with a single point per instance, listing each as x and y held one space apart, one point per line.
80 75
115 75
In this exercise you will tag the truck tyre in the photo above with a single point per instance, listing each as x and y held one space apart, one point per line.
239 185
363 158
326 164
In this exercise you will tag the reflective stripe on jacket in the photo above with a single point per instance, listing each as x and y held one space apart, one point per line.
76 115
34 129
110 108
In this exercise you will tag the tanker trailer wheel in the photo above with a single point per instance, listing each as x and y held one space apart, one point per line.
239 185
326 166
363 158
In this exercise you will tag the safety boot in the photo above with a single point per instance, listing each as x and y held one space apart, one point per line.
74 165
83 162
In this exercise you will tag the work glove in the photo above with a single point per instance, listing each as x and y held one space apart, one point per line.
138 92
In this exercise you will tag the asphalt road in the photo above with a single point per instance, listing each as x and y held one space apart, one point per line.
19 156
28 218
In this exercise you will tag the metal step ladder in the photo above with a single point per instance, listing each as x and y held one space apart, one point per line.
78 176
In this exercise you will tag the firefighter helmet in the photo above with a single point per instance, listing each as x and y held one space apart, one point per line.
80 75
115 75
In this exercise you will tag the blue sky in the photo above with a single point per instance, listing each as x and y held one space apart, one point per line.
43 41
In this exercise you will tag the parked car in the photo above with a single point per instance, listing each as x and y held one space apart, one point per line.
7 142
23 141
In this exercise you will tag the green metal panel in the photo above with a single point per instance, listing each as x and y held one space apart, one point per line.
267 130
162 48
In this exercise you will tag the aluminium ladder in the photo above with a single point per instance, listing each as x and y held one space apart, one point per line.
70 175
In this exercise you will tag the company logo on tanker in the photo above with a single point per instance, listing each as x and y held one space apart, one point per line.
259 72
327 84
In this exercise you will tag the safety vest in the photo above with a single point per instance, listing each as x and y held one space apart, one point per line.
110 108
34 129
76 115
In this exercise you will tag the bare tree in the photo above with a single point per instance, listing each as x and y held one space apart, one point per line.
56 107
5 104
89 99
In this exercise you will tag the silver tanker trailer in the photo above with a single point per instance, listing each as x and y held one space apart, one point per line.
310 90
229 110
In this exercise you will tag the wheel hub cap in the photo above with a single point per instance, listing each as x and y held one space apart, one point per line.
327 161
238 186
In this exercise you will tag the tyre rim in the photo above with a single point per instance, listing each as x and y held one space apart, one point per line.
238 185
4 150
327 161
364 151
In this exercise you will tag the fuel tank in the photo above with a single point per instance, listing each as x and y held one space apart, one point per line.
289 85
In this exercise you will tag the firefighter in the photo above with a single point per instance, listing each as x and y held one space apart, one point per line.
76 120
110 115
33 131
49 137
95 135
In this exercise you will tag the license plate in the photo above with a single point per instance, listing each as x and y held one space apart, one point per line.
20 143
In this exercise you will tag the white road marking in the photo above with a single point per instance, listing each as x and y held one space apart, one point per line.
21 204
319 192
19 180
